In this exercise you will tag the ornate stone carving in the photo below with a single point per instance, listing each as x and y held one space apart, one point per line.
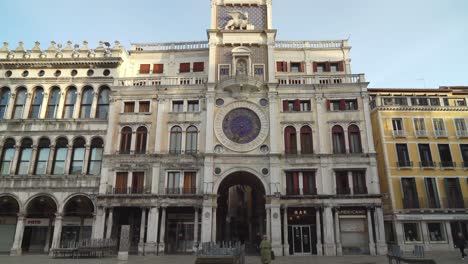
239 20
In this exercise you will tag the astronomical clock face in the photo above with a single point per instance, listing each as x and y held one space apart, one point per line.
241 126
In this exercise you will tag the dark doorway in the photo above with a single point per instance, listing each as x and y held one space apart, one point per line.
9 209
128 216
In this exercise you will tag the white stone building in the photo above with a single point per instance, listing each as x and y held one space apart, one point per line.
219 140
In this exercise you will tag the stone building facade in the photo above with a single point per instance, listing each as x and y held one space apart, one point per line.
220 140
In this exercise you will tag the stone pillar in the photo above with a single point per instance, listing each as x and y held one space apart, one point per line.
44 106
152 231
161 245
195 230
425 235
124 244
32 163
68 160
285 232
110 222
76 110
86 159
50 160
49 232
369 136
380 231
448 229
275 140
14 162
99 222
57 232
158 148
94 105
141 245
400 236
319 231
16 248
339 250
213 231
61 105
277 247
10 106
268 222
329 246
210 98
27 105
206 223
370 230
155 178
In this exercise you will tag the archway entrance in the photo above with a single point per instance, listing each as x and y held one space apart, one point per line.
38 230
241 210
9 209
78 220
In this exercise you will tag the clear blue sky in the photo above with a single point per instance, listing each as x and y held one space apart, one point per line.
397 43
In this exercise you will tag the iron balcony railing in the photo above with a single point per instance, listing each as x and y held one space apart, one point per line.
411 202
404 164
447 164
181 191
421 133
427 164
320 79
462 133
128 191
455 203
399 133
440 133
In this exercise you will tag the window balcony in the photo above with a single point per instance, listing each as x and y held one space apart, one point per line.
360 190
411 203
343 191
399 133
447 164
440 133
128 191
312 191
297 191
462 133
421 133
181 191
404 164
455 203
427 164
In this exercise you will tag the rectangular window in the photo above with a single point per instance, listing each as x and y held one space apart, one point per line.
77 161
464 153
281 66
184 67
308 183
158 68
439 125
173 182
42 159
129 107
121 183
8 155
198 67
193 106
138 179
454 194
460 125
24 160
460 102
144 107
419 124
434 101
59 162
259 72
425 155
431 193
292 183
224 71
436 232
342 183
177 106
420 101
410 193
351 105
412 232
144 68
320 67
445 156
297 67
403 155
343 105
190 182
359 182
397 124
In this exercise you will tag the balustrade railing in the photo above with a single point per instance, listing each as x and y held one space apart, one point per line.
128 190
157 81
170 46
404 164
327 44
181 191
321 79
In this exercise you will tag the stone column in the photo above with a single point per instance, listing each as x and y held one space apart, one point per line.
195 230
152 231
213 231
76 110
425 235
328 232
32 163
50 160
275 228
339 250
207 214
49 232
43 110
400 236
57 232
285 232
16 249
210 98
448 229
94 105
155 178
68 160
274 123
380 231
99 223
370 230
369 136
110 222
61 105
86 159
141 245
158 148
14 162
10 106
319 231
27 105
268 222
161 245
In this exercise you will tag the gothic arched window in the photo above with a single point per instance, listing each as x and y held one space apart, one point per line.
175 146
354 136
306 140
141 137
192 140
125 140
338 140
290 140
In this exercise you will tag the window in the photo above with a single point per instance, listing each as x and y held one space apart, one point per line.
412 232
334 67
359 182
421 101
464 154
290 140
125 140
175 146
308 183
436 232
121 181
425 155
292 183
35 111
446 102
439 127
431 192
259 72
138 182
198 67
24 157
342 105
224 71
144 107
338 140
420 127
129 107
4 99
297 67
95 159
144 68
21 96
342 183
296 105
397 124
102 110
53 103
43 151
460 126
184 67
434 101
192 140
454 193
158 68
320 67
86 102
190 183
403 156
70 102
7 156
281 66
177 106
445 156
306 140
354 139
141 137
460 102
61 150
193 106
78 156
410 193
173 182
329 66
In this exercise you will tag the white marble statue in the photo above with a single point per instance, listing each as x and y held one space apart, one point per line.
239 21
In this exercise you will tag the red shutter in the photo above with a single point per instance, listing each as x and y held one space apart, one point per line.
296 182
315 66
158 68
121 182
285 106
327 67
184 67
302 69
342 104
287 141
279 66
297 105
285 66
198 67
341 66
145 68
328 105
305 182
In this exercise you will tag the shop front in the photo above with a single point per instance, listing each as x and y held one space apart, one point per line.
9 209
37 236
302 231
180 235
354 230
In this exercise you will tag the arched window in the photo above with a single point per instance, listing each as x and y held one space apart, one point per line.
53 103
192 140
61 150
354 136
102 110
24 157
125 140
95 159
35 111
141 136
86 102
43 151
306 140
21 96
338 140
78 156
290 140
175 146
70 102
7 156
4 99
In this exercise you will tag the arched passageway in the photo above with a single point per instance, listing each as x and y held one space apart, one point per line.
38 230
77 219
9 209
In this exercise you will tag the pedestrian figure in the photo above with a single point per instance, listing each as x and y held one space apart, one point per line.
460 242
265 250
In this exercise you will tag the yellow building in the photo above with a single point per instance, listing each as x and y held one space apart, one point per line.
421 138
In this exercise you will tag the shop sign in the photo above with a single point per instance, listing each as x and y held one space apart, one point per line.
37 222
352 212
77 222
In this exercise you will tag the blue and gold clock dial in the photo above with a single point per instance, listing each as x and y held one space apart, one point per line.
241 125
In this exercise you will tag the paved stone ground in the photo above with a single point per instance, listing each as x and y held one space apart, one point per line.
441 258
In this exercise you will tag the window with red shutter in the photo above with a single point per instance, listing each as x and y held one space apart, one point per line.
302 67
285 106
328 105
315 66
184 67
145 68
198 66
297 105
279 66
285 66
341 66
327 67
306 140
158 68
342 104
290 140
296 182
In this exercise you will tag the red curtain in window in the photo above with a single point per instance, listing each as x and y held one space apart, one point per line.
290 140
295 176
198 66
279 66
306 140
121 182
184 67
145 68
327 66
158 68
285 106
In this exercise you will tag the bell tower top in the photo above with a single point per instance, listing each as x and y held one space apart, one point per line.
241 15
